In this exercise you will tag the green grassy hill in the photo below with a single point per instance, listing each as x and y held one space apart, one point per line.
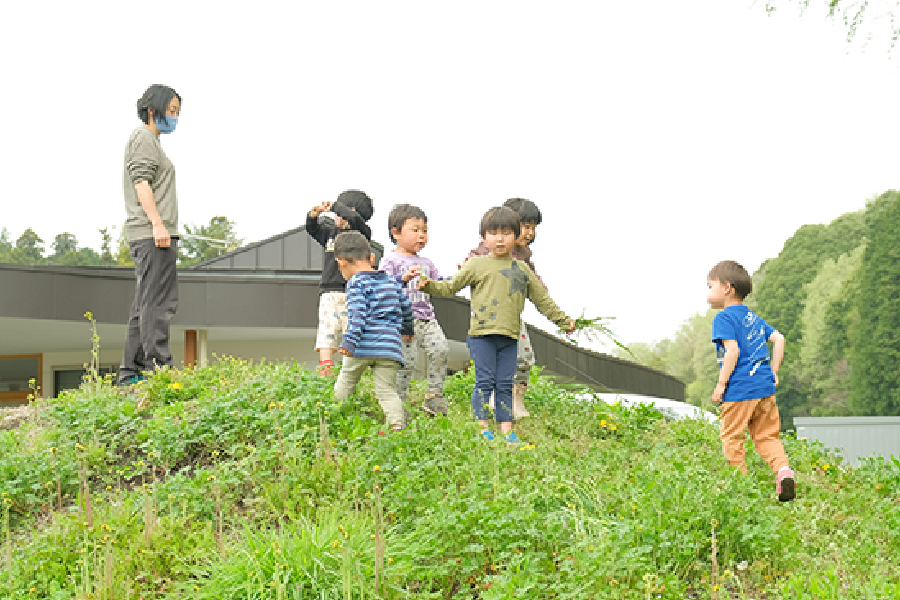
250 481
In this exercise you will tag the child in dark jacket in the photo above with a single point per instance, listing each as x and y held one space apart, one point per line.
353 208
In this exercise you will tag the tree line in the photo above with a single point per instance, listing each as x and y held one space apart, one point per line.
834 292
198 243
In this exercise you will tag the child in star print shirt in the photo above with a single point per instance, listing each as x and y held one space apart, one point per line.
530 217
500 284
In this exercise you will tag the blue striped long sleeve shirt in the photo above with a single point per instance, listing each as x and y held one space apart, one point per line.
379 311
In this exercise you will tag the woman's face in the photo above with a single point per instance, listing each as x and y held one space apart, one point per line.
173 110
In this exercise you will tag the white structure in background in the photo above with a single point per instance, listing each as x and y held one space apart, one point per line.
672 409
853 438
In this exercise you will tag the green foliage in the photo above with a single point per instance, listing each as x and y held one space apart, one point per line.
5 246
193 250
122 255
824 353
251 481
106 257
690 356
876 348
29 248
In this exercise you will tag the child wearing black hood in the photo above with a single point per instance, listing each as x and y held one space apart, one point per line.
352 208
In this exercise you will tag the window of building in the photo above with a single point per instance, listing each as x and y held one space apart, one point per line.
18 372
70 378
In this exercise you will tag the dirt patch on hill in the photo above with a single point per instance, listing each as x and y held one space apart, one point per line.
13 418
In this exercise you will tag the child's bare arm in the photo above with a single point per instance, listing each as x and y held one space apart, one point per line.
732 352
777 353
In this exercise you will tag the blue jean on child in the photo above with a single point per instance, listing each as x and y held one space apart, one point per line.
494 357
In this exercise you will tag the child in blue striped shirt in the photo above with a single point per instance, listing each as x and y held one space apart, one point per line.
379 315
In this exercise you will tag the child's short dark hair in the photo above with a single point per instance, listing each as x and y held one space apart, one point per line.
735 274
352 245
500 217
156 97
400 214
358 201
528 210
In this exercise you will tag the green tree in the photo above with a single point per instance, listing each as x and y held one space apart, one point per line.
193 249
123 252
6 246
780 291
876 346
824 353
29 248
64 243
106 257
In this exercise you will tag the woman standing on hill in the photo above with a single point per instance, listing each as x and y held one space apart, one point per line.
151 228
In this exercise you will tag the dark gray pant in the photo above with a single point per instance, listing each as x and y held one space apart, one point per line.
154 305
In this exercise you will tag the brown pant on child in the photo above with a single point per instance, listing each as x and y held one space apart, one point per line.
761 418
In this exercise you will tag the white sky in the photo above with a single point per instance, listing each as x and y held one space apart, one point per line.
657 137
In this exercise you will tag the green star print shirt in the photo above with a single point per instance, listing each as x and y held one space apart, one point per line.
499 289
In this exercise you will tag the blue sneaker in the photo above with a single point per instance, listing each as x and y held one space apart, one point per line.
511 438
131 380
488 436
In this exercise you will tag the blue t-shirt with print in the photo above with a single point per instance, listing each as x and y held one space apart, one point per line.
752 377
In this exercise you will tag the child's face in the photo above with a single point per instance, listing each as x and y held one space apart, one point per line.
718 292
412 237
526 233
500 242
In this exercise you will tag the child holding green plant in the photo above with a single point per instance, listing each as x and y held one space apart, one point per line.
530 217
747 375
500 284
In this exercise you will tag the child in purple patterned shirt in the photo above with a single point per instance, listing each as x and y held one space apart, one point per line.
408 228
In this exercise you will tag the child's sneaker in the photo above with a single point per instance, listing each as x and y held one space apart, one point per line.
785 485
488 436
511 438
435 405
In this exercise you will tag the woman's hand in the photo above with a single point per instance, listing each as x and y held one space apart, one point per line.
161 236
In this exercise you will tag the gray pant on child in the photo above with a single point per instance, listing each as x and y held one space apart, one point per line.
430 337
384 372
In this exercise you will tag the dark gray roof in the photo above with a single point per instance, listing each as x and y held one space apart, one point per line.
294 250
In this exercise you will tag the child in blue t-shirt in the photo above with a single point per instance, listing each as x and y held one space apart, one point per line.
747 375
